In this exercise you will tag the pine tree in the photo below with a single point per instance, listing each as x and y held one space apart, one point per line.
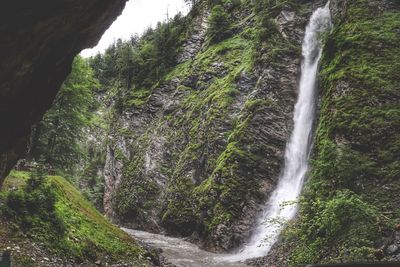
218 24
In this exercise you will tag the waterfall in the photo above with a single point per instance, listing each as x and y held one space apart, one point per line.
281 205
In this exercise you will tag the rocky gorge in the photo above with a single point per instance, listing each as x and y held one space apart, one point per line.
207 143
204 147
196 114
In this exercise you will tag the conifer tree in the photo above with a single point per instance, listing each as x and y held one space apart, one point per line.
218 24
56 138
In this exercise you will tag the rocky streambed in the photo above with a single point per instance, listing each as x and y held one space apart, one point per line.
181 253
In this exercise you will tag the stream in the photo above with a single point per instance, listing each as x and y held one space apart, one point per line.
180 252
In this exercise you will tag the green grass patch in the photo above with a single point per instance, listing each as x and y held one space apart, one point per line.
53 212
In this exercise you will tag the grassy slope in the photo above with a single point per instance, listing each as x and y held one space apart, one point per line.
88 236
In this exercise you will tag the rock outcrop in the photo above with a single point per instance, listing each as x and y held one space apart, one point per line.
194 44
39 40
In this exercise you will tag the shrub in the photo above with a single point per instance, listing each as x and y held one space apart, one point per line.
32 209
341 228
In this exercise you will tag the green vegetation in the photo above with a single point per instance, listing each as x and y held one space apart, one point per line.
218 24
340 228
56 138
33 209
350 205
134 196
51 211
205 109
197 128
68 139
213 159
130 66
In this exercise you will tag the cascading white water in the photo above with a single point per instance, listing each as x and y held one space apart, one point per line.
281 205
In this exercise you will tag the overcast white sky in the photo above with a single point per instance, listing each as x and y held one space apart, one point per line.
137 16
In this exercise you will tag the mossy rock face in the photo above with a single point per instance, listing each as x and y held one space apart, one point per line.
209 137
350 204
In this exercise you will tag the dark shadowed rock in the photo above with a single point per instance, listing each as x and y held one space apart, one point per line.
39 40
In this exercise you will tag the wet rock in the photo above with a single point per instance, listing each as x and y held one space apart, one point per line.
391 249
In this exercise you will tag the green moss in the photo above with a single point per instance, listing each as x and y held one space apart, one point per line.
224 165
135 195
204 110
342 228
137 97
231 181
72 228
254 104
179 70
224 191
84 223
348 207
179 214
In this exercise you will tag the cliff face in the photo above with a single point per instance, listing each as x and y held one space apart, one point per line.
198 154
39 41
199 151
350 211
